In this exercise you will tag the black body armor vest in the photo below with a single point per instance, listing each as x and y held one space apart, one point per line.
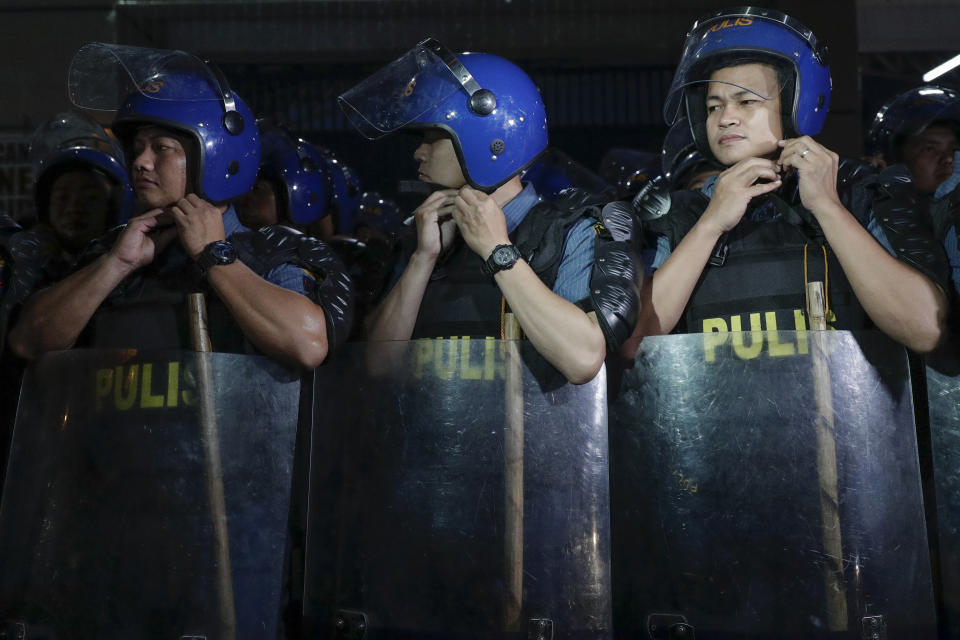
756 281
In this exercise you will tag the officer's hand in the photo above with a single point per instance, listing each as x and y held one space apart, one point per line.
438 207
143 238
481 221
816 168
198 222
747 179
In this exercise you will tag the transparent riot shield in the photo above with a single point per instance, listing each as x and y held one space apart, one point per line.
459 490
147 497
766 485
943 396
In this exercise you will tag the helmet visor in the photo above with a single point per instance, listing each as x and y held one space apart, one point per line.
398 94
102 76
69 131
752 32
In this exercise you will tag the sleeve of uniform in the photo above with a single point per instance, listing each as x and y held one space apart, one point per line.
887 204
294 261
573 275
291 277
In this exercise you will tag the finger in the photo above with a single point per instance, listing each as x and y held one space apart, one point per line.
438 196
471 195
764 187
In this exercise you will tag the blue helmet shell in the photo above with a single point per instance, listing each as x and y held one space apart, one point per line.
346 193
71 140
227 163
302 171
629 169
495 147
760 35
909 113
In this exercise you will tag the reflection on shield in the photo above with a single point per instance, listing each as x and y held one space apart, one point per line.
723 509
429 517
106 524
943 394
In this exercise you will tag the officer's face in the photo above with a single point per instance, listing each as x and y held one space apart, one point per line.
159 167
743 124
438 160
258 207
929 156
81 202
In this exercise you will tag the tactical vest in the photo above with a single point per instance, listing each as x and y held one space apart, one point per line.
461 301
149 310
761 282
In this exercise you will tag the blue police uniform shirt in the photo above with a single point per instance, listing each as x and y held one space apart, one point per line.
288 276
573 275
654 260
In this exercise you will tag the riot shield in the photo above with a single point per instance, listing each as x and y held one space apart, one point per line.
147 496
459 490
766 485
943 397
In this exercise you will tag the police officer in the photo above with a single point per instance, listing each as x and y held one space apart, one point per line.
193 147
81 188
482 122
921 129
292 187
755 86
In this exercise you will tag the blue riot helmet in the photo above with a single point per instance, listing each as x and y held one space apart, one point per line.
555 171
747 35
74 141
346 193
910 113
176 90
379 213
629 169
490 108
300 172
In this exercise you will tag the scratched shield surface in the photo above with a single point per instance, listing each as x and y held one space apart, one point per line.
457 492
766 484
121 463
943 393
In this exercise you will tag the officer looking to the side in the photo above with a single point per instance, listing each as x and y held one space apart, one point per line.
738 254
292 186
192 146
484 242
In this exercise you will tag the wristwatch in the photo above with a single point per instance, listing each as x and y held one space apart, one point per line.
503 257
217 252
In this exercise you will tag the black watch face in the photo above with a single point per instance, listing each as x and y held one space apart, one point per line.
503 256
223 252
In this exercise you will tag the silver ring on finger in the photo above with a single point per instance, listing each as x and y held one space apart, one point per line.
803 154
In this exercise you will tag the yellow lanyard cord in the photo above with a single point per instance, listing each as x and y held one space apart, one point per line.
826 281
503 317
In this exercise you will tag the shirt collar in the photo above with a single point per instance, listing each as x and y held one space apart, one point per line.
516 210
231 222
709 185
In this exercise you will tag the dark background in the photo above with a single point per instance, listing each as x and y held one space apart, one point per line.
603 66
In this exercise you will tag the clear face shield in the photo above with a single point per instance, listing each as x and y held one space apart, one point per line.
68 131
744 36
409 87
102 76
